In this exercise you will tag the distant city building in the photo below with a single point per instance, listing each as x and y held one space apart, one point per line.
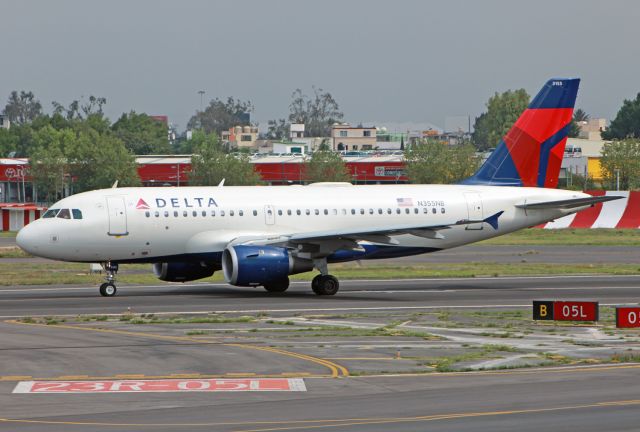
345 137
4 122
296 130
592 128
241 136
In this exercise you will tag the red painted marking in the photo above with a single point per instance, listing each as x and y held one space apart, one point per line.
575 311
168 385
631 216
5 220
553 164
628 316
142 205
587 217
541 123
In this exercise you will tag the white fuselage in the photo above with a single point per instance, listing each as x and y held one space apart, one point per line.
151 224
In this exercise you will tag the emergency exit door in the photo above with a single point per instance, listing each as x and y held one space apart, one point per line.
117 216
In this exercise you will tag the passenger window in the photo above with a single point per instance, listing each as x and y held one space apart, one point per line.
204 213
307 212
398 211
388 211
442 210
213 213
156 214
147 214
335 212
326 212
370 211
407 210
344 212
425 210
361 211
50 213
316 212
289 212
231 212
255 212
433 210
166 214
298 212
241 213
184 213
221 213
279 212
353 211
415 210
175 213
77 214
194 213
64 214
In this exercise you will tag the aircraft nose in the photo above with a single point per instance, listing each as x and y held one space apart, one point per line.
27 239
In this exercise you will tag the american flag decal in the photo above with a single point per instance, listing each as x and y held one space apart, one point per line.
405 202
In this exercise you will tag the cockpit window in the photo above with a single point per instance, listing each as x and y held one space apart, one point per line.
51 213
77 214
64 214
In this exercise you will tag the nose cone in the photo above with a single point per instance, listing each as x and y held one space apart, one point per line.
27 239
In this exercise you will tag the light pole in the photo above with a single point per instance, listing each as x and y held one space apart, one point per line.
201 93
617 170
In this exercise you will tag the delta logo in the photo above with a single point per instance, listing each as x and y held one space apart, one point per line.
196 202
142 205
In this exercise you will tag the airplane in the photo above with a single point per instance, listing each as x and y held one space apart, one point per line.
260 235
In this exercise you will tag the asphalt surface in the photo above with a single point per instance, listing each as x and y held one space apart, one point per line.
353 295
585 399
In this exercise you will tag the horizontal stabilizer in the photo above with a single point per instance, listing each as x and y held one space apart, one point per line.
567 204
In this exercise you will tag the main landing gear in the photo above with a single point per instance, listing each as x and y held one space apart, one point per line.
108 289
324 283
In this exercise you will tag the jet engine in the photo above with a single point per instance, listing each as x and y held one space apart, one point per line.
260 265
183 271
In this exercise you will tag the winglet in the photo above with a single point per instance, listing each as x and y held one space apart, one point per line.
221 183
493 220
115 184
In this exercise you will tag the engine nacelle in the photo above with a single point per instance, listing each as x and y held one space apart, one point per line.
257 265
182 271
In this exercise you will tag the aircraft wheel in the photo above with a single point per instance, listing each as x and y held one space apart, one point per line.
278 286
108 290
325 285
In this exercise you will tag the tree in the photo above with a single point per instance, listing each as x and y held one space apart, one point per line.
98 160
210 165
220 115
502 112
326 166
621 161
432 162
48 160
142 134
317 113
627 121
80 110
22 107
278 129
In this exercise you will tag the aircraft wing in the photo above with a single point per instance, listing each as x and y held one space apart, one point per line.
372 234
567 204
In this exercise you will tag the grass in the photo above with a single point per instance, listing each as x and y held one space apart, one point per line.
13 252
568 237
30 273
8 234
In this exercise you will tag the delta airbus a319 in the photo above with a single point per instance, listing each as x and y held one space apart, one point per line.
259 236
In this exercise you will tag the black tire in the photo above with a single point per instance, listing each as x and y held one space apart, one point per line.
326 285
315 282
278 286
108 290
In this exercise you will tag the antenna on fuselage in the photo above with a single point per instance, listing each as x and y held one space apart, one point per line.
115 185
221 183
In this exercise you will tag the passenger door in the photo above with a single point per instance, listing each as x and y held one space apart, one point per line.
117 216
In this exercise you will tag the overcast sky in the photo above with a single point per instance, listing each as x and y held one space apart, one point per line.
395 60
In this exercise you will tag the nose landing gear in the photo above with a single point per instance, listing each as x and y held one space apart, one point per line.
108 289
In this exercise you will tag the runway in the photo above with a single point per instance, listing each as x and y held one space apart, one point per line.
353 295
586 398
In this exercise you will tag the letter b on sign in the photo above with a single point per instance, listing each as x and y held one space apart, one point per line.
542 310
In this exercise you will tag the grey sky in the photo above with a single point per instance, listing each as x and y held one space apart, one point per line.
416 61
